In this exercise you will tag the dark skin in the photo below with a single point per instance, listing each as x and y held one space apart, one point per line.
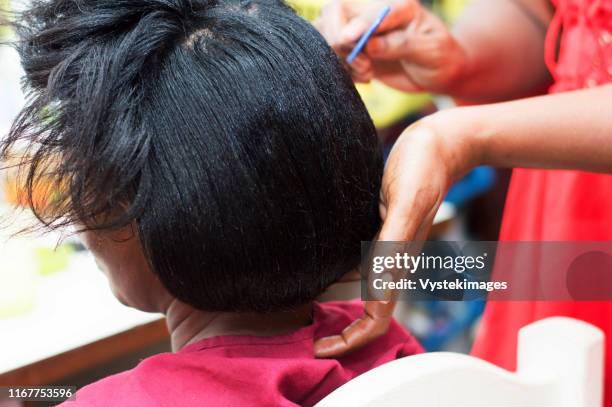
120 257
414 50
477 61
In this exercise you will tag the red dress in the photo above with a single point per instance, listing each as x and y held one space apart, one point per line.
544 205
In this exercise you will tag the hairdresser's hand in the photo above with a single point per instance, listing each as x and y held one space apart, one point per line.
412 49
424 162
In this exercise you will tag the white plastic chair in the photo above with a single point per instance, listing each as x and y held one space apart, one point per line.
560 364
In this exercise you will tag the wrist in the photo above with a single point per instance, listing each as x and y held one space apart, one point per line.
464 136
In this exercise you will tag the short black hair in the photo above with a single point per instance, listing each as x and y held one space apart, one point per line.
227 131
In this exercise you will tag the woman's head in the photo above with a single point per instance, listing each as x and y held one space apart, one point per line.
226 132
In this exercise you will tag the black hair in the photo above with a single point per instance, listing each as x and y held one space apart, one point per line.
226 131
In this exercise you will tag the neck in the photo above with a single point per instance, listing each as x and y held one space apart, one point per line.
188 325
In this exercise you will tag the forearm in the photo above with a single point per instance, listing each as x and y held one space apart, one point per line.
503 41
563 131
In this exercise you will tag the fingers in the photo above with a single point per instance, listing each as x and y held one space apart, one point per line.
413 186
361 69
330 347
373 324
394 75
389 47
425 43
379 309
356 27
410 45
402 13
338 345
404 212
398 227
342 22
378 314
410 220
330 22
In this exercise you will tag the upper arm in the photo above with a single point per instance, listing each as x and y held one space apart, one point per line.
504 41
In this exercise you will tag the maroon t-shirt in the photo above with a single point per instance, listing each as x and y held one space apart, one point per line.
250 370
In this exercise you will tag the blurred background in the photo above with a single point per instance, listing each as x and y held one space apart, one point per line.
60 324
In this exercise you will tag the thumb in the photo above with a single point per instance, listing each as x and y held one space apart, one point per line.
355 29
